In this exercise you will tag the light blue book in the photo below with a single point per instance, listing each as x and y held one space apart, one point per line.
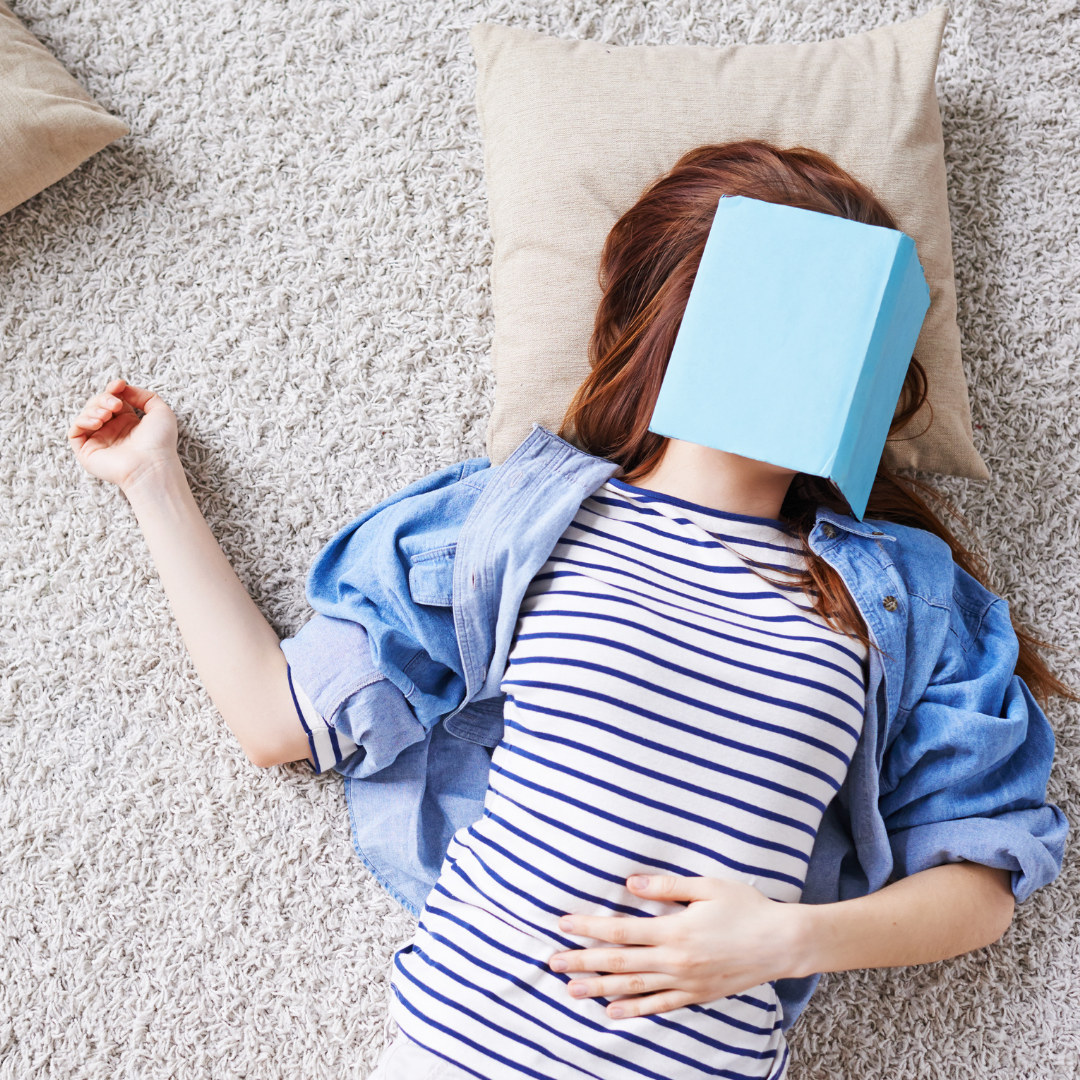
796 339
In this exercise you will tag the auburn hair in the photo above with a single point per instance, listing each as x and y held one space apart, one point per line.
647 269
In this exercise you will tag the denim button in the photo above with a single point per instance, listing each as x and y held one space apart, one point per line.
829 530
890 603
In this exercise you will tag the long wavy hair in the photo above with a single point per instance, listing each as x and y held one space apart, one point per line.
647 269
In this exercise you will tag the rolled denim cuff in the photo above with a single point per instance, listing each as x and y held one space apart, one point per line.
1028 843
356 720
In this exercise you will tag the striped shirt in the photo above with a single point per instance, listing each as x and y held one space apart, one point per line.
669 710
327 745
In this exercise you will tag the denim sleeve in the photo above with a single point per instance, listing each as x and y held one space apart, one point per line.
965 778
408 788
391 572
366 721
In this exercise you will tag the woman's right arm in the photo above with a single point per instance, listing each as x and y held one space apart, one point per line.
235 650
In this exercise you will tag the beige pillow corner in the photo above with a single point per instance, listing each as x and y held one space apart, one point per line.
574 131
49 125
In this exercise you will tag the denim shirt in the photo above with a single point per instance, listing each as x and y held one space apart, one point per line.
417 601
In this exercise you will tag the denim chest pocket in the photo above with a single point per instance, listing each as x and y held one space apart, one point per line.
431 577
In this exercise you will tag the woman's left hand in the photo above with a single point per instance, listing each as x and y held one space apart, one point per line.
729 939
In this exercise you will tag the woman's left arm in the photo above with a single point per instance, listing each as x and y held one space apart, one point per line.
731 937
963 801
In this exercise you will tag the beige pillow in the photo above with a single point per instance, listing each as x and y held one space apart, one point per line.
575 130
49 125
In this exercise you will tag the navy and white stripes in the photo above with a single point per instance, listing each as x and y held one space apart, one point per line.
669 710
329 747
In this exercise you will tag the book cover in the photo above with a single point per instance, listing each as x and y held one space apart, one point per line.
795 342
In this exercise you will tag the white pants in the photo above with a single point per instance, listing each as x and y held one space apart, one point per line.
405 1060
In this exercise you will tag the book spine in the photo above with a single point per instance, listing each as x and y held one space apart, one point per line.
888 354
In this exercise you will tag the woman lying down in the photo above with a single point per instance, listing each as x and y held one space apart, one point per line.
646 732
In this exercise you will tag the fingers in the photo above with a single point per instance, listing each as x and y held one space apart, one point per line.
640 982
98 411
643 930
675 889
652 1003
137 398
649 992
612 960
619 930
101 408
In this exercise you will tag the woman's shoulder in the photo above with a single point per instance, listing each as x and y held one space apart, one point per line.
425 515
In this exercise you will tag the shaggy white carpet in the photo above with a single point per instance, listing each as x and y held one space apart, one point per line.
292 247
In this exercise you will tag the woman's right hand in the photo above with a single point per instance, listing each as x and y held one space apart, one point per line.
112 442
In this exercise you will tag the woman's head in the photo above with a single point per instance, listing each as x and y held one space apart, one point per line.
647 269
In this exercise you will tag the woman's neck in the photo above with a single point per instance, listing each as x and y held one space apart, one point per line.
718 480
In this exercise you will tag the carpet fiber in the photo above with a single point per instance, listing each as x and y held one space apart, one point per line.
292 248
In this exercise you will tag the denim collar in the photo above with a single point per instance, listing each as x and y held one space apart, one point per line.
870 530
533 496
